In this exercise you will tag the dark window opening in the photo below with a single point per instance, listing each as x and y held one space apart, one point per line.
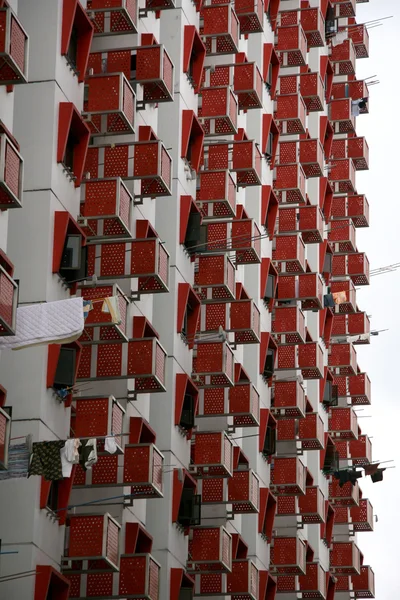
193 230
72 52
65 372
133 66
331 25
269 150
190 72
269 293
68 159
187 415
189 508
270 442
331 462
52 500
74 262
330 394
268 82
327 268
269 366
185 594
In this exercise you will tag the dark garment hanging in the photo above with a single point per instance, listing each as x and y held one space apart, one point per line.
378 476
329 301
46 460
346 475
86 449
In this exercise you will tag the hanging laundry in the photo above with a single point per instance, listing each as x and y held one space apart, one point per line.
87 307
57 322
18 461
339 38
88 453
69 456
46 460
378 476
339 297
110 445
346 475
111 306
363 337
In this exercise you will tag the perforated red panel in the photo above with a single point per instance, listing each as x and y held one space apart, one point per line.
214 401
137 468
212 491
98 584
91 417
86 536
133 575
208 449
104 472
345 557
112 541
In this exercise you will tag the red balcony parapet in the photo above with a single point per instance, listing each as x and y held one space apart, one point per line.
343 423
310 154
362 516
290 114
355 148
210 550
307 287
13 49
355 266
342 236
213 365
288 400
342 176
291 46
312 506
98 417
99 325
345 558
355 90
354 207
305 357
8 301
139 576
220 29
310 86
307 220
288 556
357 388
288 477
362 585
244 491
106 209
341 116
218 111
347 495
250 15
360 450
312 21
353 324
216 194
288 325
288 254
241 156
110 105
120 16
344 8
290 184
11 170
348 304
343 58
342 359
214 278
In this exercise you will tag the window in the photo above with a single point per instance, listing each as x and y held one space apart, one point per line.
73 141
190 508
52 499
194 54
188 412
76 37
65 371
185 594
193 231
192 139
269 366
269 448
269 293
327 268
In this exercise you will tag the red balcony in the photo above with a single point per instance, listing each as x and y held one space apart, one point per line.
312 506
244 491
311 432
244 404
361 450
139 577
288 477
355 266
307 220
343 58
354 207
288 556
342 359
341 116
290 184
364 583
8 299
245 321
245 239
311 88
246 163
97 318
356 90
212 455
139 359
345 286
146 160
352 324
344 8
290 114
248 82
220 30
342 236
143 470
288 400
216 194
243 582
343 423
155 72
210 550
95 538
307 287
11 169
288 325
313 583
219 110
313 24
120 16
250 15
106 209
305 357
347 495
97 417
289 254
342 176
291 46
149 260
360 38
310 153
357 388
214 277
13 49
110 105
362 516
345 558
355 148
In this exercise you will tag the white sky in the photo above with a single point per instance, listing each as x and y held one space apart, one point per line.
381 242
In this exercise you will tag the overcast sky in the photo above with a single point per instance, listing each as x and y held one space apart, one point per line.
381 242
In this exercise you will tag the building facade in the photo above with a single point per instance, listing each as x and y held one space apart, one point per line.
194 162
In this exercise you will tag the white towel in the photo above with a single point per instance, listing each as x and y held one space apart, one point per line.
111 306
57 322
110 445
